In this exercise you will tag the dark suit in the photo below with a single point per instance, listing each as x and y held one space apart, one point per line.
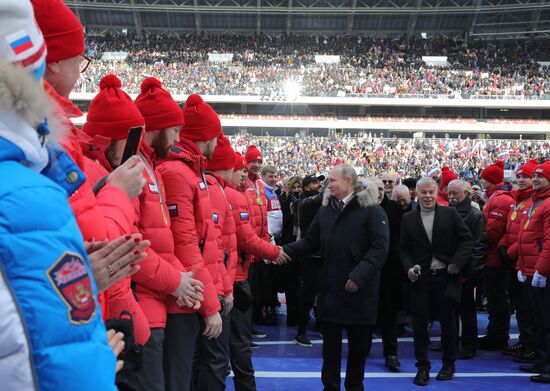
435 293
354 243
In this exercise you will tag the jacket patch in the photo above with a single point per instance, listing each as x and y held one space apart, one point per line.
173 210
153 188
69 276
202 186
244 216
497 214
215 218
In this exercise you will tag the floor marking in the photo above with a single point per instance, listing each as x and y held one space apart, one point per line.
380 375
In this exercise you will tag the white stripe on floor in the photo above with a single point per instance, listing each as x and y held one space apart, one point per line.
375 340
317 375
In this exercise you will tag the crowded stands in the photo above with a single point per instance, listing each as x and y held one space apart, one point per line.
264 66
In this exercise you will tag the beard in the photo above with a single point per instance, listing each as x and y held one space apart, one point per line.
161 145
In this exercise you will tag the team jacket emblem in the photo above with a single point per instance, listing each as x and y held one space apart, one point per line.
69 276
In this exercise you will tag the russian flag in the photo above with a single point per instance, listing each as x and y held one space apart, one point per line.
504 155
434 172
20 42
463 150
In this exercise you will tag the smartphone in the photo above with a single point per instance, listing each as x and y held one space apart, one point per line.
133 142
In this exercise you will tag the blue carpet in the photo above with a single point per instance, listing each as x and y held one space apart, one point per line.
282 365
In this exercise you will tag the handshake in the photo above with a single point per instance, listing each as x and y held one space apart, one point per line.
282 258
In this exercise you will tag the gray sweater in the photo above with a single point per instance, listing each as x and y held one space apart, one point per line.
427 216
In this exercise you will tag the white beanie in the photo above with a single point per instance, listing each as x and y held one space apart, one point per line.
21 41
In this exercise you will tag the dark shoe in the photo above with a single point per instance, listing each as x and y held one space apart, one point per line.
258 334
447 372
531 368
492 344
254 345
526 357
542 378
303 341
422 377
392 363
436 348
466 354
514 349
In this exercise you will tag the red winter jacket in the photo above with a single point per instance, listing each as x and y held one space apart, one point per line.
496 212
120 217
442 199
195 241
534 237
160 272
225 225
248 243
515 212
254 191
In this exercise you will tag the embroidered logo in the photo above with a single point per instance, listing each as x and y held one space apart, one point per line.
69 276
215 218
244 216
153 188
202 186
173 210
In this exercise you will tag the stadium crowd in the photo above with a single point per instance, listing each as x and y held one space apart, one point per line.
406 157
265 66
139 252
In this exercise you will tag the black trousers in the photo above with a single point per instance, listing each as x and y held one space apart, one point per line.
444 310
519 297
387 321
498 303
310 270
263 284
289 283
468 316
212 360
359 344
151 376
182 332
240 353
541 311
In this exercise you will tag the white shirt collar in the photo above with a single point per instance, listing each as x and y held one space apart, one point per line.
348 198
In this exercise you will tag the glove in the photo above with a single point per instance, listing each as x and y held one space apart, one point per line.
539 281
521 277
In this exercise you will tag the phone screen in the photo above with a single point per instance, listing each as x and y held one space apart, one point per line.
133 142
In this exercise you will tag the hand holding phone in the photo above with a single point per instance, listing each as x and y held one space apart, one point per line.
133 143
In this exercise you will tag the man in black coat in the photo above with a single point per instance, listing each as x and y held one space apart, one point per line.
392 280
351 230
459 198
310 265
434 244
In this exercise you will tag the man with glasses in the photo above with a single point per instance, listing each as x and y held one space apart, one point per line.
389 179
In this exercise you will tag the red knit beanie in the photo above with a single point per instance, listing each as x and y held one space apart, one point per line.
446 176
62 30
494 173
223 157
157 106
253 153
201 121
543 169
239 162
528 168
112 112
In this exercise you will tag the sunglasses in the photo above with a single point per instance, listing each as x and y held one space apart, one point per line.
386 181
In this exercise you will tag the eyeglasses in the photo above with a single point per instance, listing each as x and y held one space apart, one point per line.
387 181
84 62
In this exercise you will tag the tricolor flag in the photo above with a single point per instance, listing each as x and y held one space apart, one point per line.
504 155
462 150
20 42
434 172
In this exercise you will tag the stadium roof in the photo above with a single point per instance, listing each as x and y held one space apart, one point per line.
452 18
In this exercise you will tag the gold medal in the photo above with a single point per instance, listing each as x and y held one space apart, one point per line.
260 201
514 215
526 224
